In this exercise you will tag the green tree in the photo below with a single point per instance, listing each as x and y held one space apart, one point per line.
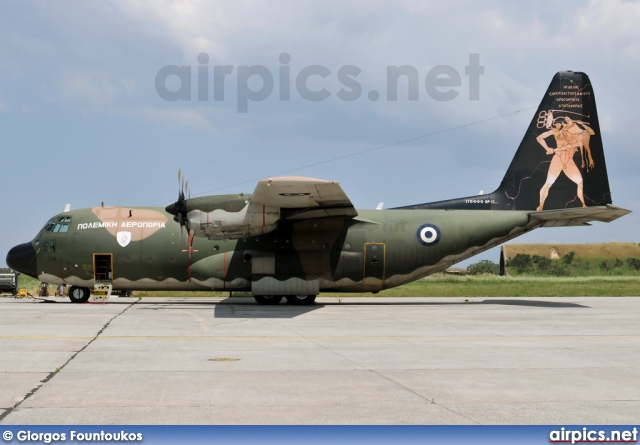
633 263
605 265
483 266
568 258
521 263
543 263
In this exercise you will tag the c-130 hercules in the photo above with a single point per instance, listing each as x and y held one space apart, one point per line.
295 237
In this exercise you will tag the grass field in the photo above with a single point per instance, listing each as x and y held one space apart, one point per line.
521 286
441 285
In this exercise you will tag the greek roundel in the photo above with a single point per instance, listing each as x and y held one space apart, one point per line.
428 234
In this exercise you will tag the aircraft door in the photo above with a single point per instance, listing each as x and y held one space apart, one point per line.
374 262
103 267
102 276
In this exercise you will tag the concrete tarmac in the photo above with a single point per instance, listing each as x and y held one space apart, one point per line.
348 361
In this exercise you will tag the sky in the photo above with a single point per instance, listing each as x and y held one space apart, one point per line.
96 106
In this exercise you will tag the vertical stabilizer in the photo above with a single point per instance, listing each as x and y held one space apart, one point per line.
560 161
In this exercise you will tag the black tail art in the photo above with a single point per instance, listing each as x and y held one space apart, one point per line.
560 161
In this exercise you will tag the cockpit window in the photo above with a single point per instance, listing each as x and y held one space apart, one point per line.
58 225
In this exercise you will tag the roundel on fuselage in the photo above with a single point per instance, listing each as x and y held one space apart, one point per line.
428 234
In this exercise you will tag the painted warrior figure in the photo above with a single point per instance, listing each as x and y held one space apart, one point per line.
570 136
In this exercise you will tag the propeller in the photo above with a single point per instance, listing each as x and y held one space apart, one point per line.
179 211
179 208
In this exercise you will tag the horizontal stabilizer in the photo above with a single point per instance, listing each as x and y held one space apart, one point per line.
578 216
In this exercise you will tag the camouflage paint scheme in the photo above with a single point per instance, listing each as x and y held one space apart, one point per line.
333 251
302 236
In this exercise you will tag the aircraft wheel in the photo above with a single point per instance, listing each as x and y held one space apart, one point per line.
301 300
268 299
79 294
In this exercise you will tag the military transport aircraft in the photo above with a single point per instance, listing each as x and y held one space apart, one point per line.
295 237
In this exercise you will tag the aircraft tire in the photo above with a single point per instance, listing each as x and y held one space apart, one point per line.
301 300
79 294
268 299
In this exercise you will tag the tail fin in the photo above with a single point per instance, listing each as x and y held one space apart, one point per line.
560 161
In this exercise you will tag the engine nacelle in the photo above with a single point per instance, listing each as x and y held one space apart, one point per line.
251 220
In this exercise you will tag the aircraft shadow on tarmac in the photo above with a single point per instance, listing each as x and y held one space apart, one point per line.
241 307
533 303
232 308
235 307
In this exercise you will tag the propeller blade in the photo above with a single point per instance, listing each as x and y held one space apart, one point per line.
179 208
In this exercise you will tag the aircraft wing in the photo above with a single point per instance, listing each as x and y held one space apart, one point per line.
301 198
580 216
274 200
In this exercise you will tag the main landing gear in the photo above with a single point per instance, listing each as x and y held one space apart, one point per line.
298 300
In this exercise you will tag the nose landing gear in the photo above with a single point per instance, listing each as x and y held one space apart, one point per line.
79 294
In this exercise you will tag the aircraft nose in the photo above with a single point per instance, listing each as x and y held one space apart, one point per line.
23 259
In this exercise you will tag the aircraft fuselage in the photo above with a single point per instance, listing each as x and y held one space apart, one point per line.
378 249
